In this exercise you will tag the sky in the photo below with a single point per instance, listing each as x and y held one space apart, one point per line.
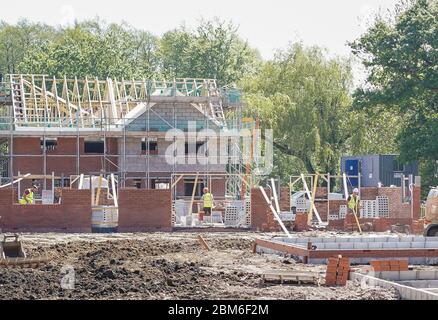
267 25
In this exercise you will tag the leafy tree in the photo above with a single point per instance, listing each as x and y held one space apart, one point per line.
213 50
375 132
401 55
93 49
304 97
16 39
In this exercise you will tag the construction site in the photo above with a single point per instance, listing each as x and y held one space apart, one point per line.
110 210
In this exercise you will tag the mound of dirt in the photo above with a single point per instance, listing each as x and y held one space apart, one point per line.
161 266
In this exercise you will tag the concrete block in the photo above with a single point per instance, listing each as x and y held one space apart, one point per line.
432 261
431 239
329 240
427 275
390 275
419 239
360 245
319 245
407 239
341 239
331 245
417 260
375 245
315 240
408 275
404 245
417 244
390 245
431 244
317 261
345 245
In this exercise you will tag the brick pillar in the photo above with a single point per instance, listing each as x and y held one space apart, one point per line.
260 211
416 206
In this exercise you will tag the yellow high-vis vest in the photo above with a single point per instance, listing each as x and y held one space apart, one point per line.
208 200
27 198
353 204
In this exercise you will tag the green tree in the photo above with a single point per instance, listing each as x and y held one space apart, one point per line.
304 97
213 50
401 55
16 39
94 49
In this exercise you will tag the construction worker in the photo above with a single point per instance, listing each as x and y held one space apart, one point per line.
354 201
207 198
28 195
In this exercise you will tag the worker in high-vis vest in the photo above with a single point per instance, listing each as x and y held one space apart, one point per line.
28 195
207 199
354 201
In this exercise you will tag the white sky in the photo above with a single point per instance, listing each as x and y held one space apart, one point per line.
267 25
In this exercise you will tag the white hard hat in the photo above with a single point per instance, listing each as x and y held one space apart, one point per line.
355 190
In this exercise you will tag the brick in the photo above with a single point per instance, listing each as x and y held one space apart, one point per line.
142 210
72 215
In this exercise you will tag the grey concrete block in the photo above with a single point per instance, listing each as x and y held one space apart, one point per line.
333 245
427 275
375 245
408 275
360 245
390 245
390 275
417 244
417 260
432 244
345 245
319 245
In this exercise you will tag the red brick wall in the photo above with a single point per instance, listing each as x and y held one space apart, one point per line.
368 193
284 199
416 212
73 214
145 210
397 209
262 218
218 187
321 192
301 222
60 165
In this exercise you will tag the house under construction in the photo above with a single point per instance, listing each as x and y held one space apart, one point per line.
68 127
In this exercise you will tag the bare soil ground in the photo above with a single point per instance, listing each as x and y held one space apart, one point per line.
163 266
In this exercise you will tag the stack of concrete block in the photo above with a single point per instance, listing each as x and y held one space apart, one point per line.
382 207
368 209
248 212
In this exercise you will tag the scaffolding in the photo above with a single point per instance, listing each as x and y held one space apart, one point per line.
116 111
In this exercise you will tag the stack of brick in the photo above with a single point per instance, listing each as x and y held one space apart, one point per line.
389 265
337 271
